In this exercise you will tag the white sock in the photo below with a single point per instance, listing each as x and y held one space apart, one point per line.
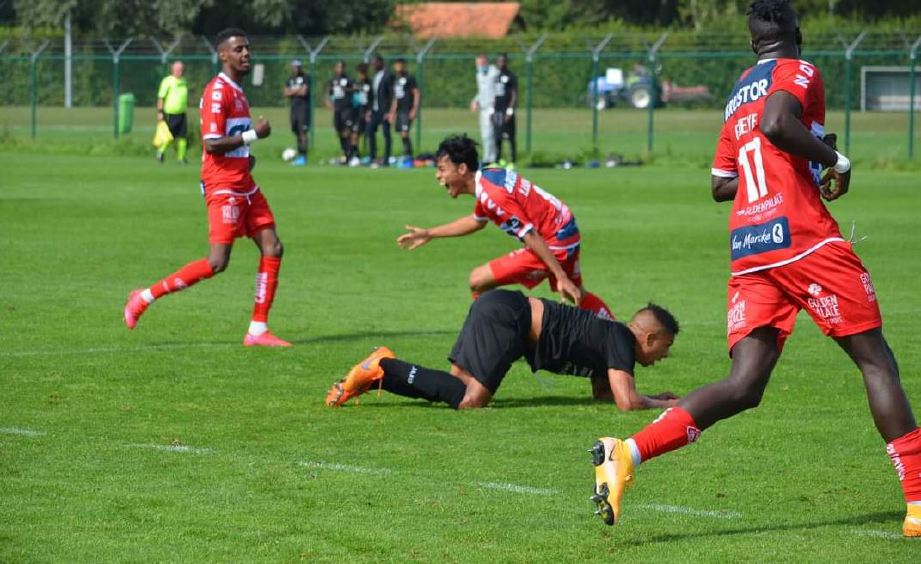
147 296
914 503
634 452
257 328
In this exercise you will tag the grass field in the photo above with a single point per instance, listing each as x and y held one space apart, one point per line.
174 443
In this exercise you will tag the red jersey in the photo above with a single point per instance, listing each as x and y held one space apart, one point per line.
517 206
778 216
224 112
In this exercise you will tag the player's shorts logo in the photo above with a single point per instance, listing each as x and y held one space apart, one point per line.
230 214
735 317
814 290
827 308
868 286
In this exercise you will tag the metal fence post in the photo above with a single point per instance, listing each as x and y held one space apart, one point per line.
912 56
655 85
848 55
35 55
313 54
596 54
116 81
370 50
214 66
529 60
420 60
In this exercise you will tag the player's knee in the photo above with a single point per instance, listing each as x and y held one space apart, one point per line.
273 249
480 279
746 396
218 263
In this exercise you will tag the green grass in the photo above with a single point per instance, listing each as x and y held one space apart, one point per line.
275 476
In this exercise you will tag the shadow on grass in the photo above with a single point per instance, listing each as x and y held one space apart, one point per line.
500 403
372 334
892 519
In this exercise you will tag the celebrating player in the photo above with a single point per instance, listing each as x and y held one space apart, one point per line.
404 106
787 254
339 100
236 206
539 220
503 326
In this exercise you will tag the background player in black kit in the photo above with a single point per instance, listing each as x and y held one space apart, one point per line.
506 104
362 97
405 105
339 100
503 326
297 89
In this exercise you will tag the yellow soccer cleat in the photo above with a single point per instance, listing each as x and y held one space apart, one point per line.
613 473
359 379
912 525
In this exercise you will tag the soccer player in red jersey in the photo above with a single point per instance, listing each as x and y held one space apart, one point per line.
538 219
236 206
787 254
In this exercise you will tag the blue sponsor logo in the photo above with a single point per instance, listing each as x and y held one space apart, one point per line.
763 238
752 88
568 230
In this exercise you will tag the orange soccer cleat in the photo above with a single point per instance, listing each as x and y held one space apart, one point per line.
360 378
912 525
613 473
134 308
266 339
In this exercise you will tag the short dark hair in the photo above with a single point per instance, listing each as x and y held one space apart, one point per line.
362 67
378 57
226 34
401 60
459 149
773 13
664 317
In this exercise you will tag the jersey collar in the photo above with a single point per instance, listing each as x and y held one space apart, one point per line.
477 187
230 81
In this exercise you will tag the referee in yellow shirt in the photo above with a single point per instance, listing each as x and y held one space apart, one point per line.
172 99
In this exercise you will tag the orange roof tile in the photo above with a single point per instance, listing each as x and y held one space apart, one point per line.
458 19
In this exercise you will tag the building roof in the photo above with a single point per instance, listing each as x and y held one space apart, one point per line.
490 20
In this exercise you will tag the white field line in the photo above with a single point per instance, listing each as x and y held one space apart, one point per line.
877 534
348 468
690 511
20 431
107 350
516 488
173 448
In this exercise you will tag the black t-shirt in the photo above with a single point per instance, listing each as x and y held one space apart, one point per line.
364 95
505 84
299 102
340 92
403 91
578 342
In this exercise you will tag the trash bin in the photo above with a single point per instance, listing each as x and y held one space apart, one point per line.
125 112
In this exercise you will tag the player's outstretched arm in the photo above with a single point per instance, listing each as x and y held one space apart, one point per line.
415 237
567 288
782 126
625 396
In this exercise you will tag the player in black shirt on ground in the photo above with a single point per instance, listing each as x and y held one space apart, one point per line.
362 98
297 88
503 326
339 100
505 106
405 104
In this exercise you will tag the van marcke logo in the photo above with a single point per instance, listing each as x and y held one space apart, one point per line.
814 290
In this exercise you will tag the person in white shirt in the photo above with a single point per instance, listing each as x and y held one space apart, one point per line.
483 103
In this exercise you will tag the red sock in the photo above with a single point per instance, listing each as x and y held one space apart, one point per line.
593 303
672 430
186 276
266 283
905 453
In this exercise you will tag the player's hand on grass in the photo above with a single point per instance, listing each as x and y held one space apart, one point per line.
665 396
262 128
415 238
569 291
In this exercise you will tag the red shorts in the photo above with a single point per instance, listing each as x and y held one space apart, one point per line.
831 284
231 216
525 268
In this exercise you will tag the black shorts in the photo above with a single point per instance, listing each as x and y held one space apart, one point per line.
177 125
403 123
300 120
503 129
494 335
344 119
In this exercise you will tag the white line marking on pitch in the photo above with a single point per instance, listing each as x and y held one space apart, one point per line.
877 534
20 431
516 488
103 350
173 448
344 467
690 511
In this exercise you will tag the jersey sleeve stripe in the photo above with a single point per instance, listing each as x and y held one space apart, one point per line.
525 230
723 173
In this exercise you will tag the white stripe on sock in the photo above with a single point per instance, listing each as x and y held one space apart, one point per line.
257 328
147 295
634 452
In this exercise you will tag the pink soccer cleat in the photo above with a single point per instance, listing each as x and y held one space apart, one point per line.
266 339
134 309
